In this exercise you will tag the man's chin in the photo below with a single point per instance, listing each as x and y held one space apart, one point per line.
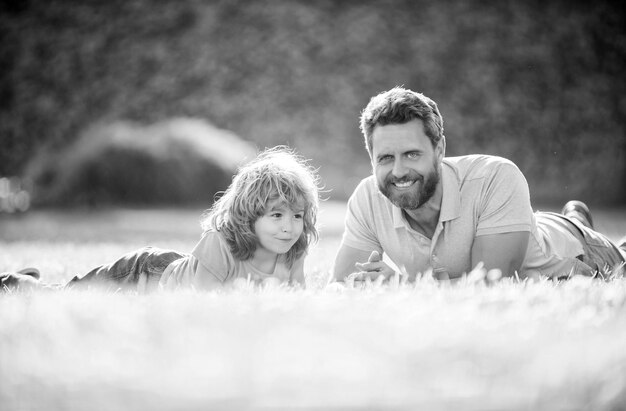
404 202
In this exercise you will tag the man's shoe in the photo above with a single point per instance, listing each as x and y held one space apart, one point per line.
24 279
579 211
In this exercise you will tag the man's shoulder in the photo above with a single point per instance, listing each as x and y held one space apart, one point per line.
477 161
477 165
369 181
366 199
366 186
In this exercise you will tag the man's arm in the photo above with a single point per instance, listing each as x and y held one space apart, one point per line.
502 251
346 259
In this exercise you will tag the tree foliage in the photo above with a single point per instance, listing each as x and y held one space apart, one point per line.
538 82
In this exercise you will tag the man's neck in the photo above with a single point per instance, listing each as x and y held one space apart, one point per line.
425 218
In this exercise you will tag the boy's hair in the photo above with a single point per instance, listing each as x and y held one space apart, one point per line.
276 174
399 106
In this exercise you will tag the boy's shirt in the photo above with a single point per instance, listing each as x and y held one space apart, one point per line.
211 261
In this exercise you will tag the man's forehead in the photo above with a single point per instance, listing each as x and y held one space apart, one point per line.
399 138
416 125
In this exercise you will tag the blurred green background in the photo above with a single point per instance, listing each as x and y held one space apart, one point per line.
539 82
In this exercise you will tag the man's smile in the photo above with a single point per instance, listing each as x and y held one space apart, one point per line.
403 184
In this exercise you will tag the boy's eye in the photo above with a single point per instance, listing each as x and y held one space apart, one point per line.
276 215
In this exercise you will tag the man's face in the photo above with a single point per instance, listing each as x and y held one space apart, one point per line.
405 163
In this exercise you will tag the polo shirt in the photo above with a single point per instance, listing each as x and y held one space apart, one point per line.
482 195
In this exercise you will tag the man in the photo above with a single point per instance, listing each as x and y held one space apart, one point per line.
427 211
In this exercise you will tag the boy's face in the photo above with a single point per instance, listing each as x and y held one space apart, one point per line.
279 228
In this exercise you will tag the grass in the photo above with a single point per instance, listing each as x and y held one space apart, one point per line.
431 346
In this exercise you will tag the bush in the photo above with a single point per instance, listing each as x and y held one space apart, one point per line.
180 161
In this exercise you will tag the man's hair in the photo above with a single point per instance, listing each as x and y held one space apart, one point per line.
277 174
399 106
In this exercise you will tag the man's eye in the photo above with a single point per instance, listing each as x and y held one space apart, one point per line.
384 159
413 155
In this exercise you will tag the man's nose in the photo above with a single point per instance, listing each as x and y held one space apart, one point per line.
399 169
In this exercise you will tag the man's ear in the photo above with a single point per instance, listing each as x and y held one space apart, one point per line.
440 149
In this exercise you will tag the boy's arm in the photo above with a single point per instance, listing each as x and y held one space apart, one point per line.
191 273
214 264
205 279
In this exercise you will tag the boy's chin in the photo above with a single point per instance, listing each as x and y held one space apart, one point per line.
283 250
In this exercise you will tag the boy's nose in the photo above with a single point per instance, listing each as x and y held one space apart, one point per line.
287 226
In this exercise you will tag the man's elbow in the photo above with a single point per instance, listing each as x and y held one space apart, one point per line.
345 261
338 274
342 269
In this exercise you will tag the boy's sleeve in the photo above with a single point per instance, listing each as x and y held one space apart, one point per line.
505 204
214 259
359 232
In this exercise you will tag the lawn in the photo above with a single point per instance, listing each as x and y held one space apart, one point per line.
427 346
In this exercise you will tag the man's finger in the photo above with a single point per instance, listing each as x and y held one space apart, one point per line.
374 257
370 266
371 275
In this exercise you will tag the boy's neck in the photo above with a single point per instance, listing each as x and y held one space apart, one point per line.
264 261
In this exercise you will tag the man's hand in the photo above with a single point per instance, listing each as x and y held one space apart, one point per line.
373 268
345 261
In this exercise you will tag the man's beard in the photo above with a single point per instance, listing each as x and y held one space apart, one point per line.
423 190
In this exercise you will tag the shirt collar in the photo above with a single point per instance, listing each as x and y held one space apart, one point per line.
450 202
